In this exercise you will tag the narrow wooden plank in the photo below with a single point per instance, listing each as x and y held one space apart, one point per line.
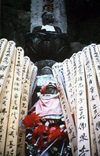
83 139
98 47
30 74
32 83
23 107
6 61
96 60
12 133
25 68
66 111
5 98
94 51
68 82
93 95
74 84
92 133
33 76
3 43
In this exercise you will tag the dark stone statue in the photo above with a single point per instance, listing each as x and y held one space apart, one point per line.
47 41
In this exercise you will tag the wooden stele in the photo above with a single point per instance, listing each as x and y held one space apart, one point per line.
5 99
93 95
66 111
74 84
3 43
23 110
12 134
28 74
67 68
95 53
83 139
5 63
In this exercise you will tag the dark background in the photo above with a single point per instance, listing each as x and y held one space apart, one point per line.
83 20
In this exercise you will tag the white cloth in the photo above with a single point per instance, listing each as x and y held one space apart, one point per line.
48 28
48 105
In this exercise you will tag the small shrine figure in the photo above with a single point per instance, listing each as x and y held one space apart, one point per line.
45 120
48 103
46 41
47 23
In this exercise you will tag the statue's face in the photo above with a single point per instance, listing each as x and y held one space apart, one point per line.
51 90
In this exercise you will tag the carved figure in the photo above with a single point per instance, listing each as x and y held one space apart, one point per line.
45 120
47 24
48 103
47 41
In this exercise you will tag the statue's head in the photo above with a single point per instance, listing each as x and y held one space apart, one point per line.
49 88
46 70
47 18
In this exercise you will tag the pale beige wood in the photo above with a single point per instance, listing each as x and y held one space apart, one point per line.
25 68
23 106
83 139
93 95
33 78
92 133
74 84
5 98
30 73
66 111
5 64
90 103
68 83
98 47
3 43
96 60
12 133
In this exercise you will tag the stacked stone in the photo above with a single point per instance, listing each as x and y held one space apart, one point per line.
79 84
17 77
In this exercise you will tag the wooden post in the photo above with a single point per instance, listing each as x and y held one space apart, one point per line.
12 134
5 99
66 111
93 94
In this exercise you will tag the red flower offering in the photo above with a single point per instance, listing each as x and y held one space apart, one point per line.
38 131
31 120
53 133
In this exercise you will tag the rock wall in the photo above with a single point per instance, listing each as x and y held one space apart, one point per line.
14 24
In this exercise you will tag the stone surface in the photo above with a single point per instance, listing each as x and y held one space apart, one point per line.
58 9
36 12
47 45
60 15
14 24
